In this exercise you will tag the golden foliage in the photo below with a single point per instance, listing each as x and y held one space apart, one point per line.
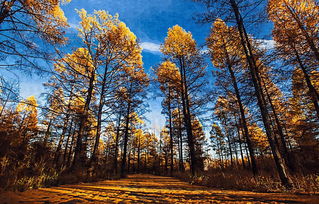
49 18
178 42
294 22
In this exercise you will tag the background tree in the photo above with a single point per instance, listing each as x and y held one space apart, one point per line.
181 49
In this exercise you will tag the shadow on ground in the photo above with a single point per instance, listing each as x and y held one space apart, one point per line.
142 188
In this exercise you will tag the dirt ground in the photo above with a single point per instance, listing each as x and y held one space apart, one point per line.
141 188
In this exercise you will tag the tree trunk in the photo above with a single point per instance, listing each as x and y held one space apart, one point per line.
47 133
139 155
170 130
281 168
67 143
312 90
117 143
64 130
99 117
187 118
79 155
309 39
243 116
123 165
71 147
181 161
285 152
240 146
228 141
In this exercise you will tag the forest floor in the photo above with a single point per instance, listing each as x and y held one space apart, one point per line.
141 188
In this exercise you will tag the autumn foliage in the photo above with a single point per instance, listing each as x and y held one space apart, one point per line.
236 111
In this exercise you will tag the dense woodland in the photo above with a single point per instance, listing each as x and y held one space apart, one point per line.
238 114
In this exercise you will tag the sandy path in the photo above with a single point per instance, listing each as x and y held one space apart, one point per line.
142 188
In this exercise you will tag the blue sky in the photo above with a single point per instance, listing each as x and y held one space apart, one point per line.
149 20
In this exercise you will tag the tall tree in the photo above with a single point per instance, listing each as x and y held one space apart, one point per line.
169 77
224 45
235 12
181 49
296 35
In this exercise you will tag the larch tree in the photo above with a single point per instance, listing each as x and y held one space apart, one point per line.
169 78
181 49
296 35
217 142
27 25
78 67
233 10
224 45
179 129
302 125
135 82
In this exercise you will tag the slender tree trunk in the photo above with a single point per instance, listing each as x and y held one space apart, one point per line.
236 153
285 152
139 155
181 161
170 130
228 141
123 165
67 143
79 156
247 156
166 162
309 39
99 117
187 118
129 161
71 147
47 133
280 164
240 147
312 90
64 130
117 137
243 116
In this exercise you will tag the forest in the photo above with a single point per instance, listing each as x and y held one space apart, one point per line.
238 114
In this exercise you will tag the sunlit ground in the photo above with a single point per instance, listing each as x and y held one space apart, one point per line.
142 188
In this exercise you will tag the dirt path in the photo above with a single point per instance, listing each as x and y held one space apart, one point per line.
142 188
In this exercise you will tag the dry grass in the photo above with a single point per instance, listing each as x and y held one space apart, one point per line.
243 180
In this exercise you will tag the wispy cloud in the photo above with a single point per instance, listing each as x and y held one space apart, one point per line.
267 44
151 47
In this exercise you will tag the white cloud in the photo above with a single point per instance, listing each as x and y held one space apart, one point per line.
267 44
150 47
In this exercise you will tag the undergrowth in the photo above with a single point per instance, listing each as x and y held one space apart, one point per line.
243 180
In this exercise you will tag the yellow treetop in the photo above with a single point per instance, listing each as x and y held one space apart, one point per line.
28 108
49 17
223 41
80 63
168 72
293 21
178 42
135 117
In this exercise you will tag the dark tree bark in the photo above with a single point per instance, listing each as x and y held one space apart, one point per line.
123 165
187 116
117 137
281 168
